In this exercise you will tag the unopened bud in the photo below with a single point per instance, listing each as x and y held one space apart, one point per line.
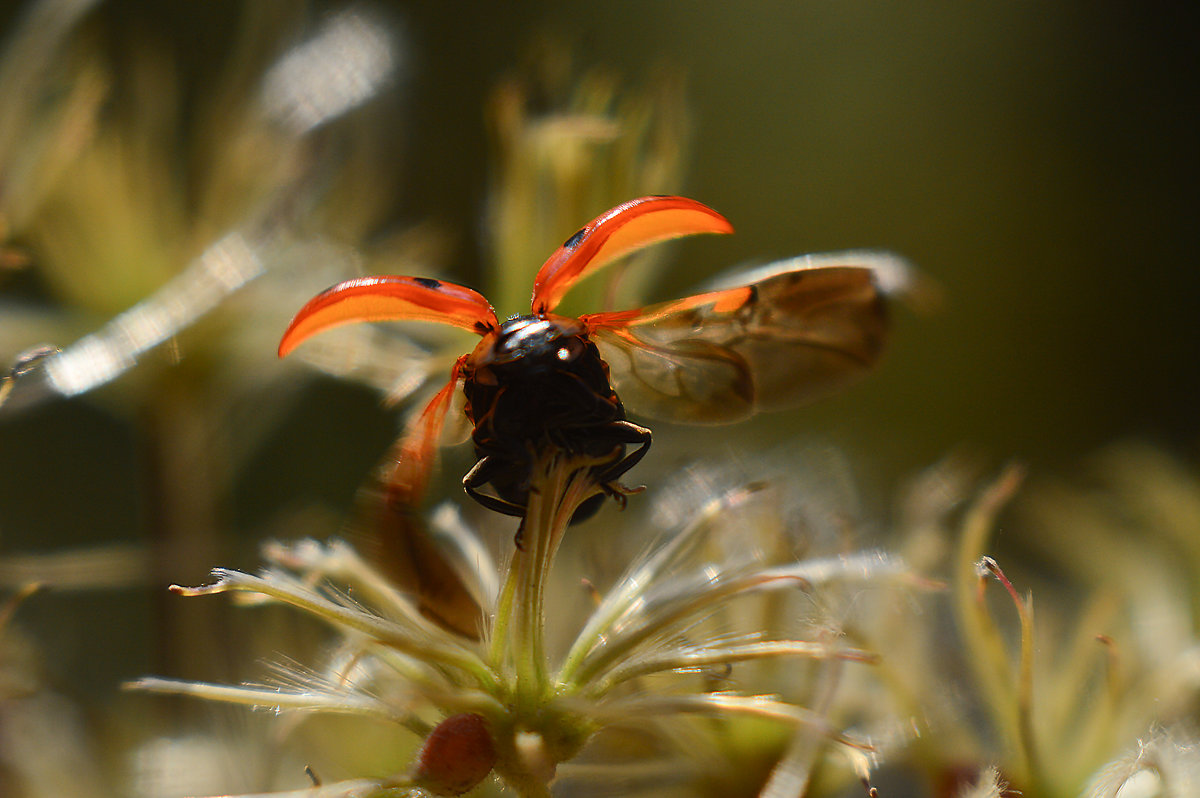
457 755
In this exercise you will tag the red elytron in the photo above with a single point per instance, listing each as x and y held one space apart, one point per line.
788 333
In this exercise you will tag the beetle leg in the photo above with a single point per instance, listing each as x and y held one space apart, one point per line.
630 433
625 432
480 474
619 493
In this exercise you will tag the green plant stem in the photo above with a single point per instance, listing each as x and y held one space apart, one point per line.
559 486
529 643
1025 739
987 655
504 614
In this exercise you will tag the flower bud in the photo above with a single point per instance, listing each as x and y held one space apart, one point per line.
456 755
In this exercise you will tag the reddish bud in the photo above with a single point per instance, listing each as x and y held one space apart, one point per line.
457 755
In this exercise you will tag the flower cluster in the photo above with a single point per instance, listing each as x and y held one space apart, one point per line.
640 664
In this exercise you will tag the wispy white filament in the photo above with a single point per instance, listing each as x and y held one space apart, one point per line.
101 356
339 68
277 698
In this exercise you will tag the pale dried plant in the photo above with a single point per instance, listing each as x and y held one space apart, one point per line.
567 147
639 665
1053 701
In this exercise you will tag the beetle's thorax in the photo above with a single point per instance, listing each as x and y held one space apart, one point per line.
534 374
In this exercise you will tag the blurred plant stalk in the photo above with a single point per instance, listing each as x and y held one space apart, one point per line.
40 137
44 747
565 149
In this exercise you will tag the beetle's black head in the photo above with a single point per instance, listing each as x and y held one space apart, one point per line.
534 340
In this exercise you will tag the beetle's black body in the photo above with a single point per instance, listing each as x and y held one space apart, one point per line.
534 383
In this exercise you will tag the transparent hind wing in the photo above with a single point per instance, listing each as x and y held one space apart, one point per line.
789 337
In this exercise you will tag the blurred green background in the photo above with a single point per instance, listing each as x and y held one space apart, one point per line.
1037 161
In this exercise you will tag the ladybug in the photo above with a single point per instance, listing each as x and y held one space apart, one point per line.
767 338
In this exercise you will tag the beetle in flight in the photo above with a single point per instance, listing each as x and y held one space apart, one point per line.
777 336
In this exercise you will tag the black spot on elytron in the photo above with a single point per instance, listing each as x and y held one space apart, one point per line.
483 328
428 282
574 240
